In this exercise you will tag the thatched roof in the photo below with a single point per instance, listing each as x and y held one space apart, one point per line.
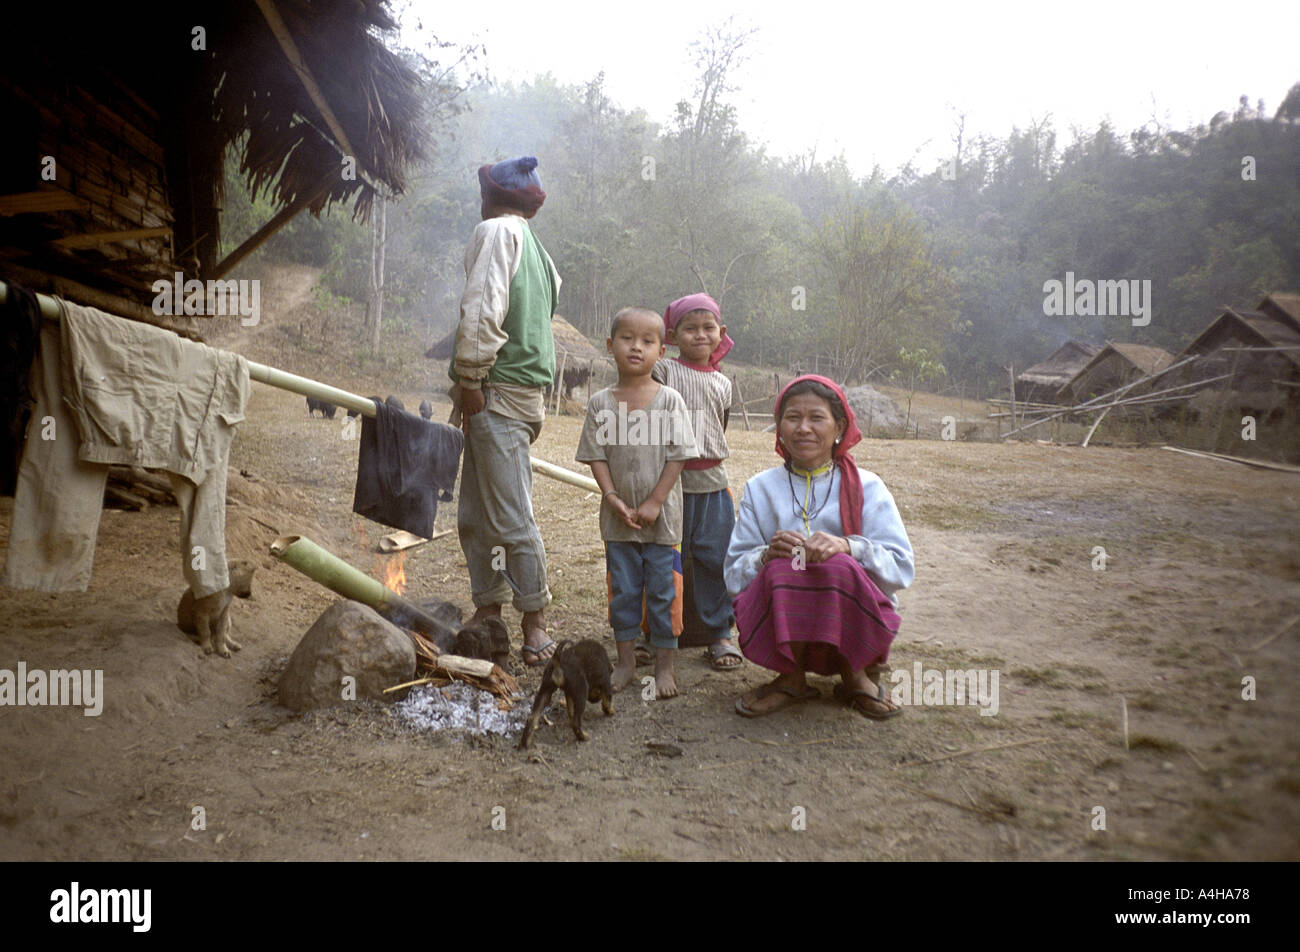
1041 381
1061 365
373 94
1273 352
137 111
568 340
1285 307
1251 328
1113 366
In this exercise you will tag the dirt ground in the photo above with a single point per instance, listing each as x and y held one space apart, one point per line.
1201 578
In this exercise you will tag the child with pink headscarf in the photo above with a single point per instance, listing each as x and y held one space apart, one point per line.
694 324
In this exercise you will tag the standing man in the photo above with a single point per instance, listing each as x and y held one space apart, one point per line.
504 360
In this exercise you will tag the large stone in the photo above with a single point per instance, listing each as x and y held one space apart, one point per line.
348 639
876 413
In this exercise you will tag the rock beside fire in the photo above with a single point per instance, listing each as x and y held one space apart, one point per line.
348 639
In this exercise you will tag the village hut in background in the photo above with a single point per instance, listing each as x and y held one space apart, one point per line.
1111 367
576 358
1258 352
1243 387
1283 307
1041 382
113 171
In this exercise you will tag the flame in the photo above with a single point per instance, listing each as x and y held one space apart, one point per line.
395 573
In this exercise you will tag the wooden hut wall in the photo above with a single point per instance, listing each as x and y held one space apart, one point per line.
1107 372
109 176
1219 356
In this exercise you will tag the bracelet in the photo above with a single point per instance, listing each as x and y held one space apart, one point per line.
612 492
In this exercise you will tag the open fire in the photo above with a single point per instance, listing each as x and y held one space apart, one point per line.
395 573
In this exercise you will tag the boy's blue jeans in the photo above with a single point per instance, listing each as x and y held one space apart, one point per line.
707 521
634 570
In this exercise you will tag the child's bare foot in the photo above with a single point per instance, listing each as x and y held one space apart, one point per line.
665 683
625 669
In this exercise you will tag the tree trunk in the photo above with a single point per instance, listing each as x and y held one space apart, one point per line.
379 235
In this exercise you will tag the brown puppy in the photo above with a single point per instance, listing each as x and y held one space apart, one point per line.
582 671
208 617
487 640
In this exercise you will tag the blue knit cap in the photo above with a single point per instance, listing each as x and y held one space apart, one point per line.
516 173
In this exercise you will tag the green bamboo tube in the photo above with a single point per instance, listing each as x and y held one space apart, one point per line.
332 572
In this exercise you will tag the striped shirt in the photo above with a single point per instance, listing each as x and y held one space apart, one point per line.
708 396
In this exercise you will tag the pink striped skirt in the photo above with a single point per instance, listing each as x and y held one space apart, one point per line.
834 607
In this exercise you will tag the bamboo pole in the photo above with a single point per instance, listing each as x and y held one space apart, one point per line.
329 570
1095 423
92 297
282 35
563 475
1092 404
273 376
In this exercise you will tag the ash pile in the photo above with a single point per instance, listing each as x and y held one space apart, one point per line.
460 707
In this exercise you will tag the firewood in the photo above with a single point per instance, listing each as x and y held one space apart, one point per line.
124 498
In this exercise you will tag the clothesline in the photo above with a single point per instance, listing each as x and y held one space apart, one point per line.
274 377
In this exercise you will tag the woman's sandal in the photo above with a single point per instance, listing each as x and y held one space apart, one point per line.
793 697
850 698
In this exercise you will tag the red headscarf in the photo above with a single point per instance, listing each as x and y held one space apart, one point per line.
850 482
699 302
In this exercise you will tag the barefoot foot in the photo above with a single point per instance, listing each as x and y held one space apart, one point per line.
665 683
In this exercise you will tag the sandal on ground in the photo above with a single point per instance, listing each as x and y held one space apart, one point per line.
717 651
536 654
792 697
850 698
644 655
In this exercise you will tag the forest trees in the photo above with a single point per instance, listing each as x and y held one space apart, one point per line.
811 258
880 291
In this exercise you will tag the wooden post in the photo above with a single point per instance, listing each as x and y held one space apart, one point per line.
1223 401
379 232
740 397
559 381
1011 372
271 227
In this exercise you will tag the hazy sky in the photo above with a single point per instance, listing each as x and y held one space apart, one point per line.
883 83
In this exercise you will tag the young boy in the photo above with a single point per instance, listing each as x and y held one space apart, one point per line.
636 437
694 324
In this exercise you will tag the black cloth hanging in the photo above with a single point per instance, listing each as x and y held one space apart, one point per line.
20 335
404 467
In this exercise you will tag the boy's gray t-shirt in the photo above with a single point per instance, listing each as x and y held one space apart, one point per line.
636 444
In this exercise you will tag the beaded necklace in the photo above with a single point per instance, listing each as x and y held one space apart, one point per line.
810 493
